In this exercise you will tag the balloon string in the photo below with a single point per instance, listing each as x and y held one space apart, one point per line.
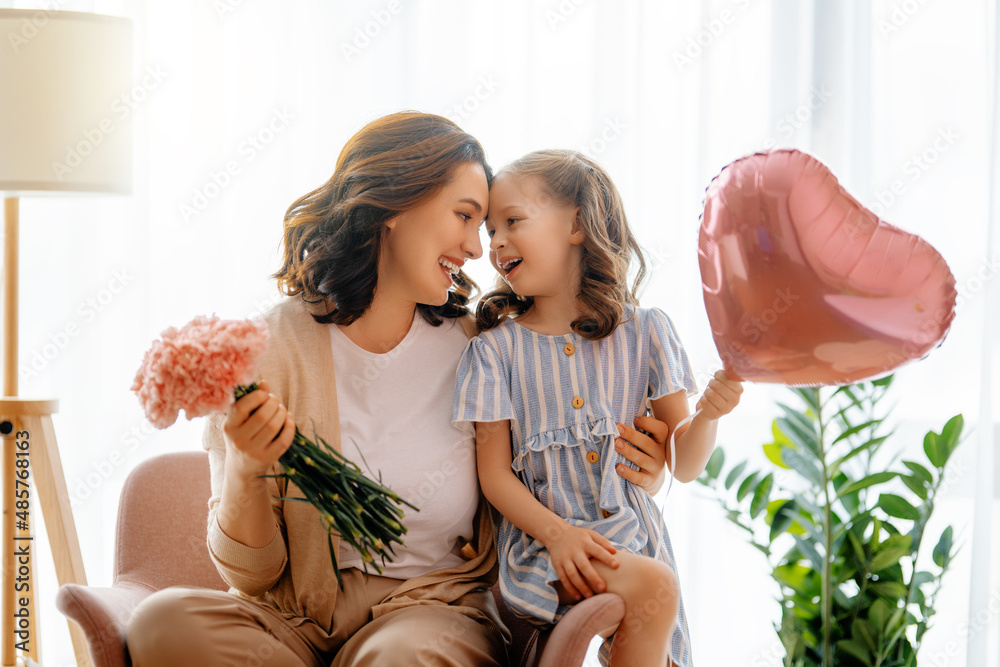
673 449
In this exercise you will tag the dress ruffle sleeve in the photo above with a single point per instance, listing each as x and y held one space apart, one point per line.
482 386
670 370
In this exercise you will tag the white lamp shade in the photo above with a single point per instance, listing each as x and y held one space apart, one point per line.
65 102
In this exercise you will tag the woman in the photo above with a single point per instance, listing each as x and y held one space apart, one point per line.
364 352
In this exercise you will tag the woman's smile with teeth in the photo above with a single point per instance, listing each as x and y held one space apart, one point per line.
451 266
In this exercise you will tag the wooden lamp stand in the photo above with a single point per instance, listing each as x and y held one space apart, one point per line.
30 454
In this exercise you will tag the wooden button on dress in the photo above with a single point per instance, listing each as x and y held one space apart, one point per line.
605 513
569 349
577 402
593 457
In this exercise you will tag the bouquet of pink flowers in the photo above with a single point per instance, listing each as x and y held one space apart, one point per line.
204 367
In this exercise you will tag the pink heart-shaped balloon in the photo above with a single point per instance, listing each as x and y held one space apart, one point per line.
805 286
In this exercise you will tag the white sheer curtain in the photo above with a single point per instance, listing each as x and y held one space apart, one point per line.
240 106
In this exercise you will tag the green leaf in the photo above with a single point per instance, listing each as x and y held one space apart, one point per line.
746 486
734 474
857 649
922 577
714 465
898 507
804 439
932 448
920 471
859 550
865 482
805 524
890 589
942 551
863 630
773 454
783 518
807 549
847 390
799 578
857 450
892 573
772 508
803 466
779 437
851 501
893 624
810 396
915 484
950 435
884 381
804 420
791 636
879 614
760 495
890 552
856 429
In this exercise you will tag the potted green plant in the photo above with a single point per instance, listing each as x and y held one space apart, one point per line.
841 523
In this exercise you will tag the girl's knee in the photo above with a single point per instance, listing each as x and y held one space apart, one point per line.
664 579
645 581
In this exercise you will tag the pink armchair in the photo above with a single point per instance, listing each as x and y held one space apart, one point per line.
148 557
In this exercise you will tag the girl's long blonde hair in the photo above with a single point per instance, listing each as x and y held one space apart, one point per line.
609 248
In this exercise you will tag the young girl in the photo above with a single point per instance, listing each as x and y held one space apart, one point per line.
565 355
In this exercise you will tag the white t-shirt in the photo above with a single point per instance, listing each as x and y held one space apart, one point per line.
395 420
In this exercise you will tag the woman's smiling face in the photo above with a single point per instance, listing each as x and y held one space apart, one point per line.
423 246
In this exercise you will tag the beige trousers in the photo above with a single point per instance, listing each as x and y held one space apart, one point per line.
196 626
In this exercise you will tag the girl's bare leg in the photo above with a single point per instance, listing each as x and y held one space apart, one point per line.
651 594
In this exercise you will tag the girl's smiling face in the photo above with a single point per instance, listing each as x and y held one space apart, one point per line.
425 245
535 241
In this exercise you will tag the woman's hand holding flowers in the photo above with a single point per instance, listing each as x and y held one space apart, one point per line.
258 430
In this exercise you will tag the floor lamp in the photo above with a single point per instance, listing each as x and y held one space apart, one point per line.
64 77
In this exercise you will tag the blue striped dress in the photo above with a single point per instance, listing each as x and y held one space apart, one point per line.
563 395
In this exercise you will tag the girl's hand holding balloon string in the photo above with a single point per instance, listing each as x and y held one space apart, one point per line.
693 438
720 397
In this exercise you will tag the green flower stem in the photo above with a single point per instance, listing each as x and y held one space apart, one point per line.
362 512
827 584
929 504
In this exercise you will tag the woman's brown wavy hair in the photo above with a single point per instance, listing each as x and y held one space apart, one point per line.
333 235
609 248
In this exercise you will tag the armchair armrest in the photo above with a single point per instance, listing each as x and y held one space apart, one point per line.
567 643
102 614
